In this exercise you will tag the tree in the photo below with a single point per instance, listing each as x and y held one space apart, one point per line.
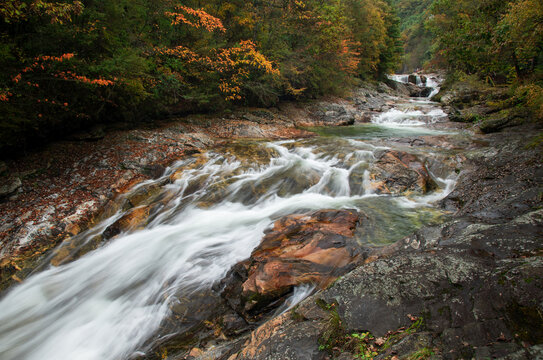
520 34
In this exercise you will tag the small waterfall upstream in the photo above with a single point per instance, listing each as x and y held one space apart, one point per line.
416 111
430 81
209 213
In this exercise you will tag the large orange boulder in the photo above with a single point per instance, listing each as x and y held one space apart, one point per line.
299 249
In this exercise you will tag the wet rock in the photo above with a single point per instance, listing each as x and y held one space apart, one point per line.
233 324
250 154
378 296
476 288
135 219
409 89
417 91
398 86
365 118
462 309
357 179
505 184
9 185
397 172
197 321
425 92
412 79
300 249
142 195
153 171
248 131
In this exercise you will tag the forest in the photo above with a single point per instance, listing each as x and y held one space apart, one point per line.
494 41
70 64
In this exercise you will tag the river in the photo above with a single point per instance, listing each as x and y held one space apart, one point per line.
205 214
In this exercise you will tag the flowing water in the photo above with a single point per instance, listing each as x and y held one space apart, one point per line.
203 216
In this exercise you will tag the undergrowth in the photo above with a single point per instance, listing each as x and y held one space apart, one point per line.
364 345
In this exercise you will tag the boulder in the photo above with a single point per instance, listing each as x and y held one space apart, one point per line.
398 86
418 91
9 186
409 89
412 79
336 114
460 94
299 249
397 172
451 298
504 119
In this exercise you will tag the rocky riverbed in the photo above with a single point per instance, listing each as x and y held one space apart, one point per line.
467 284
471 287
51 195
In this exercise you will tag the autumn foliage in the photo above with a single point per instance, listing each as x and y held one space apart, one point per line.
196 18
70 64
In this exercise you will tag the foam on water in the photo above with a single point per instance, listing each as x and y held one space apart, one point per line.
400 118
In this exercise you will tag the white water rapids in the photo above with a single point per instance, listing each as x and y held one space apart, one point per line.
109 302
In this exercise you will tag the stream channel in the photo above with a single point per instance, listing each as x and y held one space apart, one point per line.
205 214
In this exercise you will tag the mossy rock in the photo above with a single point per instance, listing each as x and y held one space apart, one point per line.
504 119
